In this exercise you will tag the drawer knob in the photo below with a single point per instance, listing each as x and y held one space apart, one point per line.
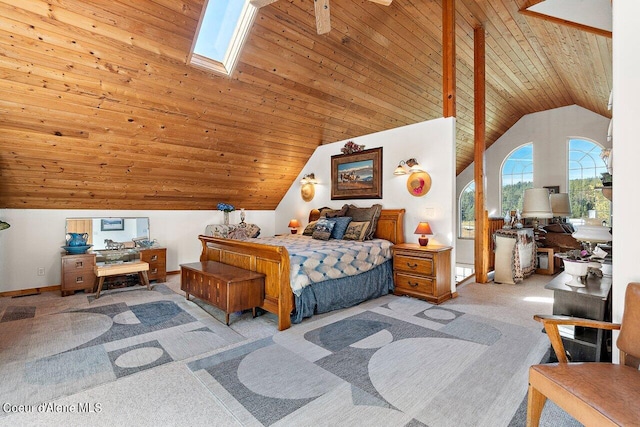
154 258
413 285
412 265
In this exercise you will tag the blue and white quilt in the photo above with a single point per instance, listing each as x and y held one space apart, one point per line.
315 260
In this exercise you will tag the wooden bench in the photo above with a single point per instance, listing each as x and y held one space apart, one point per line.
224 286
104 270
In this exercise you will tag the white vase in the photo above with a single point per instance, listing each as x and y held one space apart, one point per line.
577 269
226 218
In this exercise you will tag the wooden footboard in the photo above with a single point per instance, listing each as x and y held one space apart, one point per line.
273 261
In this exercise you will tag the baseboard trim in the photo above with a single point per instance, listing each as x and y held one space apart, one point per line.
32 291
54 288
454 295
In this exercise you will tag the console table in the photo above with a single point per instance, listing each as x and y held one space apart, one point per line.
590 302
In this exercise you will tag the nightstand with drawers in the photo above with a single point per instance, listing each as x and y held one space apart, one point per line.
77 273
157 259
422 271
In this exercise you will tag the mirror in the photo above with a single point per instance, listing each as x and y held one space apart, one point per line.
111 233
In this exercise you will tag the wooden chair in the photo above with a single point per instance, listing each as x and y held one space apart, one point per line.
596 394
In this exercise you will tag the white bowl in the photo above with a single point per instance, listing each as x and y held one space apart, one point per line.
577 269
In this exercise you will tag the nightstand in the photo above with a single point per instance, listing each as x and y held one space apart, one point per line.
77 273
422 271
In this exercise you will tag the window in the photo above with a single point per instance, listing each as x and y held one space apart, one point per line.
223 27
585 168
467 207
517 176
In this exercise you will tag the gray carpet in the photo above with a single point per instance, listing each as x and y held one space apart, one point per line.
151 358
402 362
52 350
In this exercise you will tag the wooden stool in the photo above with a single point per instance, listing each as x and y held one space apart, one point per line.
105 270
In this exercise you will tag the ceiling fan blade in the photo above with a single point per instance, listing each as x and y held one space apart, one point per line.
382 2
323 16
261 3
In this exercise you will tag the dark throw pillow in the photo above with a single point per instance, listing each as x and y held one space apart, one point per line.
370 214
323 229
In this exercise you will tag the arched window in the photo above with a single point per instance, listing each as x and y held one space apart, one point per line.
517 176
585 169
467 212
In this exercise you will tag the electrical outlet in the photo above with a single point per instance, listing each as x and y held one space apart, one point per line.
40 271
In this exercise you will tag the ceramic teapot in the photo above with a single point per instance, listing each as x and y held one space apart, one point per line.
77 239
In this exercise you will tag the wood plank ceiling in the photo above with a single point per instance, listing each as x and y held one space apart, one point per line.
98 108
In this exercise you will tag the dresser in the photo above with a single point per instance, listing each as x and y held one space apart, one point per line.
77 273
422 271
157 260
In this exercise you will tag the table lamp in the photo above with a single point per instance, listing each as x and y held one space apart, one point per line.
423 228
560 206
293 225
536 205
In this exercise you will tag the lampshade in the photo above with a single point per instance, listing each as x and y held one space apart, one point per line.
593 234
536 203
560 204
294 223
400 170
414 166
423 228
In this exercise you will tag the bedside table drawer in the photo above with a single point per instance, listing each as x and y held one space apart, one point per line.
416 284
413 265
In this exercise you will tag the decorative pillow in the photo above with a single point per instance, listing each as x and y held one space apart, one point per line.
323 229
333 213
356 231
340 226
252 230
366 214
308 231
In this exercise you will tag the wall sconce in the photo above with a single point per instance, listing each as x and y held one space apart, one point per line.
293 225
408 166
423 229
308 190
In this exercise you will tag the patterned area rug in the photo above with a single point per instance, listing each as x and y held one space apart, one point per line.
63 345
393 361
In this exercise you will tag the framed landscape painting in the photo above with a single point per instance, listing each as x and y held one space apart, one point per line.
112 224
357 175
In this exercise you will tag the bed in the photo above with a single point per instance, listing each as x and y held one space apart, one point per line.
274 262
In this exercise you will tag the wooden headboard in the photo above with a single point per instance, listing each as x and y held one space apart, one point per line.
390 224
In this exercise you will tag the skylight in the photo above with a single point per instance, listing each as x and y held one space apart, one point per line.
223 27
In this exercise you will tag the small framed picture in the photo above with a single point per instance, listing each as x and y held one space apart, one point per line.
553 189
112 224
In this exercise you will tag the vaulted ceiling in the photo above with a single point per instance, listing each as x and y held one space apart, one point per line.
98 108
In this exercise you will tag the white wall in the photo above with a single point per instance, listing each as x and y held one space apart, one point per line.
35 238
549 132
432 143
626 150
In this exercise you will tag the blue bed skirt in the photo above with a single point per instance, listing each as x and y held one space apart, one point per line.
342 293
